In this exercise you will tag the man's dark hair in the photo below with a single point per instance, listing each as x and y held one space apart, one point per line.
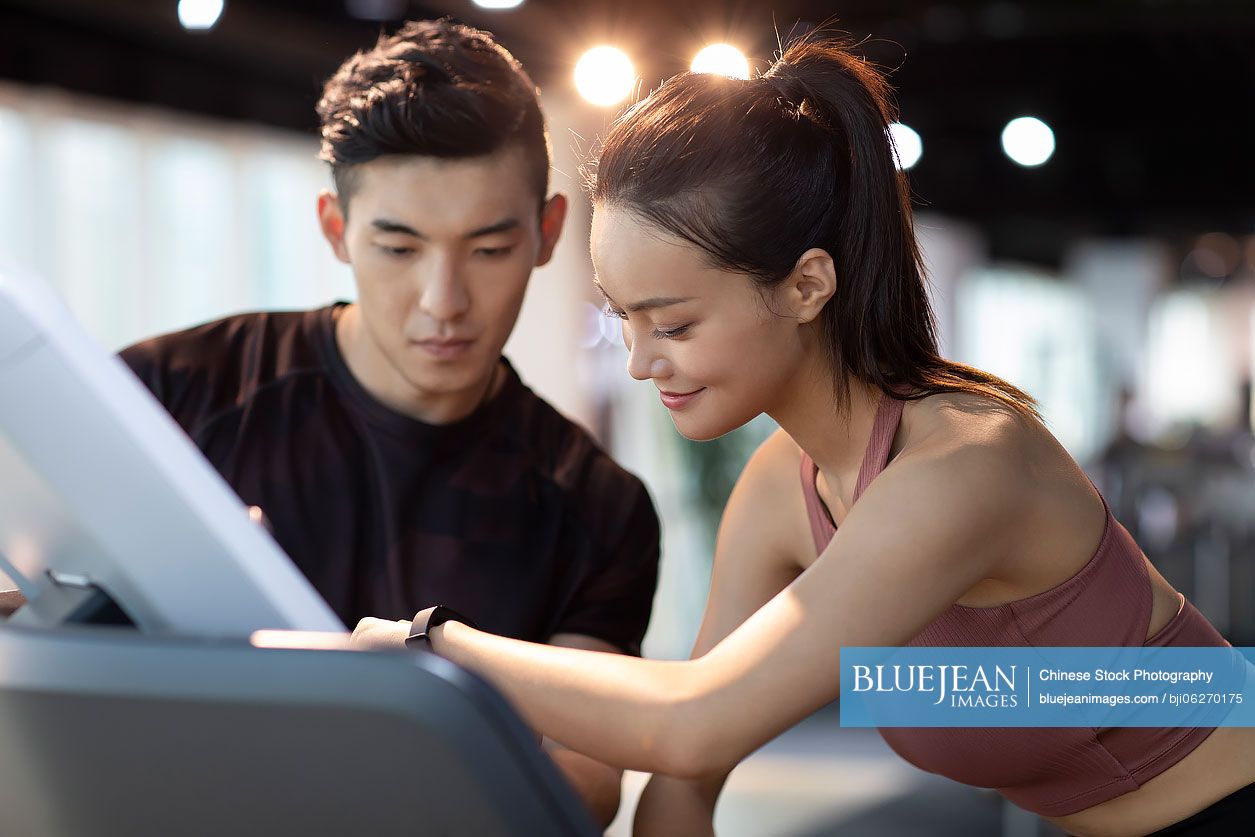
435 89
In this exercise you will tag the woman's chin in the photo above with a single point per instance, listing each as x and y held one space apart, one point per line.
697 430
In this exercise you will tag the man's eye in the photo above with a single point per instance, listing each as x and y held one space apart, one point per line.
495 252
396 251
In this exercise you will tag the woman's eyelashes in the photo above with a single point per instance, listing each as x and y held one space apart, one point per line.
670 333
657 333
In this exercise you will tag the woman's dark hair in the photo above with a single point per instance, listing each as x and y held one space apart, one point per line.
436 89
755 172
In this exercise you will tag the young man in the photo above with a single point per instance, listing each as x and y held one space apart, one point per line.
398 457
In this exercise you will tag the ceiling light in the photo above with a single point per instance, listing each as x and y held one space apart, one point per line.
605 76
723 60
1028 141
199 15
907 145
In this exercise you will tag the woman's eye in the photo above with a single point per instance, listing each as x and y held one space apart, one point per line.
668 333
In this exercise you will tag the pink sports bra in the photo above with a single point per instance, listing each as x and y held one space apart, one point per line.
1050 771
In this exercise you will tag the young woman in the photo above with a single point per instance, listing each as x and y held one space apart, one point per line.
756 238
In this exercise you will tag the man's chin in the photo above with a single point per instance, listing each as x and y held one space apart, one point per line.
442 379
426 383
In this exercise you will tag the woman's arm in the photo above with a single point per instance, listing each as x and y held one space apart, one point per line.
671 806
764 538
927 530
599 785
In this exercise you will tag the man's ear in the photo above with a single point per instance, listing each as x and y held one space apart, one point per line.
551 219
811 284
331 219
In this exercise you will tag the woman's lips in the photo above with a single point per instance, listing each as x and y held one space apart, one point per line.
679 400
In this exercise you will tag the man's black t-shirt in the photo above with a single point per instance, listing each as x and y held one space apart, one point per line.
513 515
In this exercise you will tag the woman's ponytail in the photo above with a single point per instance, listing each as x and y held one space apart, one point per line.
799 157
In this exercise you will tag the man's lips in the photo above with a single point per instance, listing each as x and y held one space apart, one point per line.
444 347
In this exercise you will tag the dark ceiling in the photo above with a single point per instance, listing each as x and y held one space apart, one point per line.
1152 101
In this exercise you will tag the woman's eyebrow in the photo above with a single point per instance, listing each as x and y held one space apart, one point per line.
645 304
601 290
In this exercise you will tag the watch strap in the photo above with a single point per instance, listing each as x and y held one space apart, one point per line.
427 619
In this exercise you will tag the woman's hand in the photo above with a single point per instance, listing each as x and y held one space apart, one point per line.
373 634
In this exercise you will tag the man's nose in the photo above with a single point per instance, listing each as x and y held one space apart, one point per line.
443 294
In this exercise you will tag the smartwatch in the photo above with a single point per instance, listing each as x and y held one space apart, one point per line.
427 619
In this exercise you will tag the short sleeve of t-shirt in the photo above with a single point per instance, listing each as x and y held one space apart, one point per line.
615 601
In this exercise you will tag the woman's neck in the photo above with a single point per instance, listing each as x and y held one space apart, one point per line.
836 440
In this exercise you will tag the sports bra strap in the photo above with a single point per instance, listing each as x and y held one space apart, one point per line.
884 428
875 457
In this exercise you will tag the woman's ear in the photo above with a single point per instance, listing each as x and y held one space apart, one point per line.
811 284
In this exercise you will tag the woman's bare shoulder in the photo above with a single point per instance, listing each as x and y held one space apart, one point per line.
954 422
983 444
998 449
1054 516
